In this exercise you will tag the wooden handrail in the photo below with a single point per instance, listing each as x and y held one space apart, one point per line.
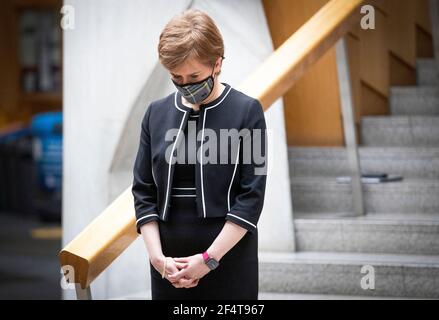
299 52
102 241
107 236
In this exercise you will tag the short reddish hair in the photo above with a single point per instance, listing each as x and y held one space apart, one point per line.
190 34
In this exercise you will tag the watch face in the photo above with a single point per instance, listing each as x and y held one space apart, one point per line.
212 264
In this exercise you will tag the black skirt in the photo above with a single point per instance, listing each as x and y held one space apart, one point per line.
184 235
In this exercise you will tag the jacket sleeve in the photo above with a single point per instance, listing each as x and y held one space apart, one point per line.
144 188
249 200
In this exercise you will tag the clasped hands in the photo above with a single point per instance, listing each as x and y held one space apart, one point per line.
184 272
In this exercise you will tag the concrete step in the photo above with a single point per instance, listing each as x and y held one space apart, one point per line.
341 274
322 194
305 296
410 162
414 100
384 233
427 74
400 131
146 295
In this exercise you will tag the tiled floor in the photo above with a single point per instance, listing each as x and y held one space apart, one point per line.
29 267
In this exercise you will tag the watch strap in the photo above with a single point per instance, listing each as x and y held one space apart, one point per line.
205 256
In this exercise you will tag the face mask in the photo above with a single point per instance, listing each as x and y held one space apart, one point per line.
196 92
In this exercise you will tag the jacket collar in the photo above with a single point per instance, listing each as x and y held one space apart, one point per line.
216 102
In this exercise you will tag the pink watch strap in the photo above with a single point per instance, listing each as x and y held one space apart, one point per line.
205 256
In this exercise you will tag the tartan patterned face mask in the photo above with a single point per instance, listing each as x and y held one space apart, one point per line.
196 92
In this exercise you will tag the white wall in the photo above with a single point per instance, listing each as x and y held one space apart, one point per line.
110 62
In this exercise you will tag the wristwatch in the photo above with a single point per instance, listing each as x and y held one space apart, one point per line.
211 262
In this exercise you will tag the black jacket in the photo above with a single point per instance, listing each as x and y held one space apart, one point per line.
233 190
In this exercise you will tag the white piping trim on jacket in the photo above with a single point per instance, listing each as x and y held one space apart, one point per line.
152 172
201 151
147 216
241 219
233 177
176 104
170 157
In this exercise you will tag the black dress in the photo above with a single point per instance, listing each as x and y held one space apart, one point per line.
185 234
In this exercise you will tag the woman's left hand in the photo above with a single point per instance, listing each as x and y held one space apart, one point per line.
195 269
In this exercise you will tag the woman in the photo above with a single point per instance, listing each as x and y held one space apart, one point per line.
197 204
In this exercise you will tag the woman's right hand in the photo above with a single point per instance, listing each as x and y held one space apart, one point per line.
172 267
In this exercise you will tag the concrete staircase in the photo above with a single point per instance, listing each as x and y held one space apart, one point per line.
399 236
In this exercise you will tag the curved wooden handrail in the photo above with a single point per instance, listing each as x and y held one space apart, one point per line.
107 236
